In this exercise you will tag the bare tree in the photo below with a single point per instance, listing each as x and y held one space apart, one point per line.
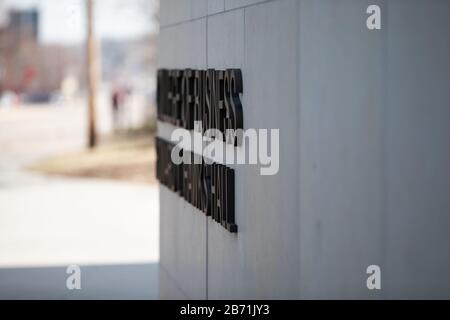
92 74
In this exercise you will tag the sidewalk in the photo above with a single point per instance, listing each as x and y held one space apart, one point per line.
109 227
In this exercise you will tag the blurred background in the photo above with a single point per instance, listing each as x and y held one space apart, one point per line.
77 122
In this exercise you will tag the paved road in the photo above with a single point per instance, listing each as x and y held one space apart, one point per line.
110 229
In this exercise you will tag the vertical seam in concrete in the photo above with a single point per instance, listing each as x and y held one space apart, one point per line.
384 128
298 115
206 217
244 13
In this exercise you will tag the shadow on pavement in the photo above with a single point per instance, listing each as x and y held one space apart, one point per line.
128 281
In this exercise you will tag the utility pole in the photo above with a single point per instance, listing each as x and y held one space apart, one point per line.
92 74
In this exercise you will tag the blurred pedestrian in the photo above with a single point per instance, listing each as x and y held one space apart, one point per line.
117 100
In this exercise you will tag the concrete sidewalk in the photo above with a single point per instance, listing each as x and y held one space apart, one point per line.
55 221
135 281
47 223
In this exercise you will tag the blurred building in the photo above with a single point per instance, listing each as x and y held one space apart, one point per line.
31 69
24 23
18 41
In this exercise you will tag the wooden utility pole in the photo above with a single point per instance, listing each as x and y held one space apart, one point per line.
92 74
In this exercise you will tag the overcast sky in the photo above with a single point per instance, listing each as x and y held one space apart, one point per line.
63 21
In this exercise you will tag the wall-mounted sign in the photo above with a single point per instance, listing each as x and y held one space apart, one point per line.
209 96
212 98
208 187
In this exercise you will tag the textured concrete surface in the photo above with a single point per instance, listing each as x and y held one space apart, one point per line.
267 236
341 149
183 228
417 154
364 155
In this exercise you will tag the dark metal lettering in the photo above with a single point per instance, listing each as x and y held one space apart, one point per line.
208 187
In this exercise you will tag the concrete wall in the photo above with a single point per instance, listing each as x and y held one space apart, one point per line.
417 152
341 148
364 122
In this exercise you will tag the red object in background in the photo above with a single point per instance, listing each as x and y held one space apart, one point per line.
28 75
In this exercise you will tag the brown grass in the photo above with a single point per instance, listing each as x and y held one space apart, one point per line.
128 157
